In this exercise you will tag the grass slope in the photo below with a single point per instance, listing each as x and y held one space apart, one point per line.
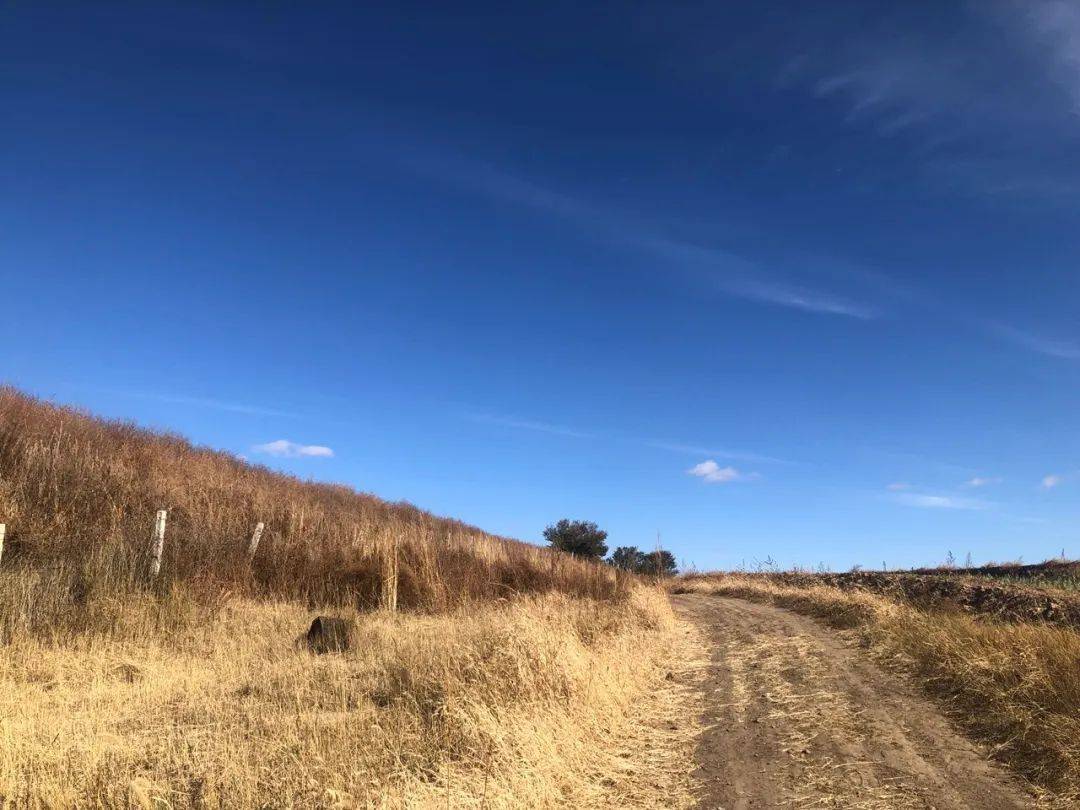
509 676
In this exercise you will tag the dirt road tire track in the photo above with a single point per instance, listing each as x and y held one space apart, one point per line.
796 717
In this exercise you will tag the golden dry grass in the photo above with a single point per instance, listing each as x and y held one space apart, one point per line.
79 496
529 703
1016 686
508 675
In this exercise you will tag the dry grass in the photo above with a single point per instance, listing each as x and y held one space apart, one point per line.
528 703
511 676
79 496
1016 686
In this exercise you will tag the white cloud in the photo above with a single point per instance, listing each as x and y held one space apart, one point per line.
713 473
1050 481
283 448
921 501
898 486
979 481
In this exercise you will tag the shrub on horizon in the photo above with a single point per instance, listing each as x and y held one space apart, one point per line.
653 563
582 538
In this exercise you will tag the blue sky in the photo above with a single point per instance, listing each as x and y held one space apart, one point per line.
780 280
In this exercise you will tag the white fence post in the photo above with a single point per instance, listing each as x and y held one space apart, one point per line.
3 532
256 536
390 578
159 543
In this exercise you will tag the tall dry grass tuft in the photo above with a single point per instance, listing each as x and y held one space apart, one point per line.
79 496
1014 685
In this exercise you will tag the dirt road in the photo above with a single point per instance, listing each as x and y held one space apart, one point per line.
796 717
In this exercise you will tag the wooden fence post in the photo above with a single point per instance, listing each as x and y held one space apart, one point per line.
159 543
3 532
256 536
390 579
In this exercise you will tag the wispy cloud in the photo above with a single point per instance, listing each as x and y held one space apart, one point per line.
886 86
739 455
1056 25
1061 349
1051 481
528 424
923 501
998 128
727 272
203 402
898 486
712 473
909 457
980 481
771 292
283 448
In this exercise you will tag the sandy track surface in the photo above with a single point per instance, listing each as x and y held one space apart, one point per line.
796 717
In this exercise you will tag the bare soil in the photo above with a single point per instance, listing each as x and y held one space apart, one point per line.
797 716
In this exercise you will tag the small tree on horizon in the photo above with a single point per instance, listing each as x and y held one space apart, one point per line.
628 558
658 563
582 538
654 563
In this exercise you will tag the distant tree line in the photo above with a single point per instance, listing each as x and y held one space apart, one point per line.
583 538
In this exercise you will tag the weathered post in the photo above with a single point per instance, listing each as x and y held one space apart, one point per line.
390 578
3 532
159 543
256 536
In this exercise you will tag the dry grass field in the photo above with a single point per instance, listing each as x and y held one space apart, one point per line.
484 672
528 703
1012 681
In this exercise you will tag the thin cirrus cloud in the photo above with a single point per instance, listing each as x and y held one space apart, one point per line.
924 501
982 481
784 295
205 402
738 455
723 271
1061 349
1056 25
528 424
941 89
712 473
727 272
1050 481
283 448
537 426
898 486
997 129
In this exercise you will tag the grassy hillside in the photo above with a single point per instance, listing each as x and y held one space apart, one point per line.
509 675
80 494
